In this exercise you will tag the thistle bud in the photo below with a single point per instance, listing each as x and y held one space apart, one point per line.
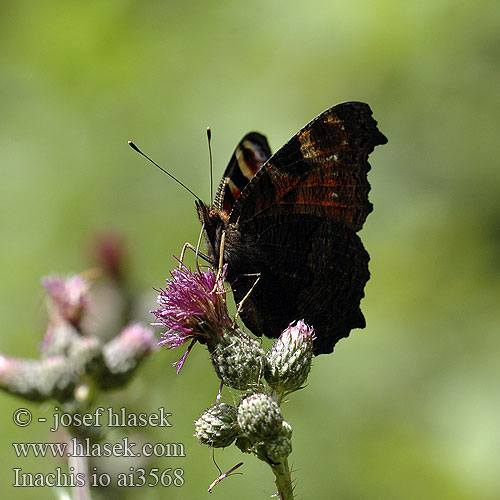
69 297
124 353
259 416
286 429
245 444
239 360
37 380
289 359
278 448
217 427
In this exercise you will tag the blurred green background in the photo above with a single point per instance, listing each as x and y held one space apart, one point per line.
408 408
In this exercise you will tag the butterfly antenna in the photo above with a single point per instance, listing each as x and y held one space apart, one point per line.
209 137
135 148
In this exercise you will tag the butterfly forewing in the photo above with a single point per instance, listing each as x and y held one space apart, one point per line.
321 170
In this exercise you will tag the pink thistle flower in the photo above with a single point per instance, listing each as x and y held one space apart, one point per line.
109 251
192 308
70 296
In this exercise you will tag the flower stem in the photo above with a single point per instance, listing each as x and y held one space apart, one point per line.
283 480
80 466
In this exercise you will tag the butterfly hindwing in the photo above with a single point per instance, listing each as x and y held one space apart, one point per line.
248 157
309 268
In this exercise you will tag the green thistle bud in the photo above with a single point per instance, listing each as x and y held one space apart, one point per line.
289 359
286 429
278 448
259 416
239 360
245 444
217 427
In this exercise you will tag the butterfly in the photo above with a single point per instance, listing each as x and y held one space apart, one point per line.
291 219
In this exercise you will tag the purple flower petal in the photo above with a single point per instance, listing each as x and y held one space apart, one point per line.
192 307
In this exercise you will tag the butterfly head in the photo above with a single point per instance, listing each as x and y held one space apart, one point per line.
214 222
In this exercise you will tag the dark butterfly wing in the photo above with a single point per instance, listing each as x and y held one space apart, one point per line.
309 268
295 225
248 157
322 170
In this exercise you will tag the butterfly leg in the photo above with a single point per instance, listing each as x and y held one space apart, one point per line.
242 301
197 252
221 252
221 260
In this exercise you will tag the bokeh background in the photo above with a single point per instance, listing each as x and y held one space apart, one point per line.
408 408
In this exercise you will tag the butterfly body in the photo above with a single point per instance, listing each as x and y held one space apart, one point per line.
291 219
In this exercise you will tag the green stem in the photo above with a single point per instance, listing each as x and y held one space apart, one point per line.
283 480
